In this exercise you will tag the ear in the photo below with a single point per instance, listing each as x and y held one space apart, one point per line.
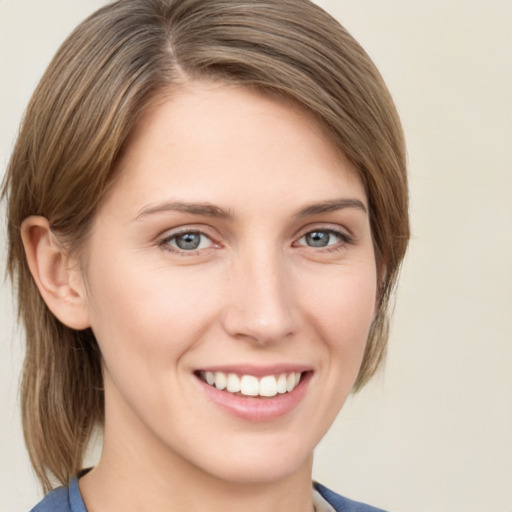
57 276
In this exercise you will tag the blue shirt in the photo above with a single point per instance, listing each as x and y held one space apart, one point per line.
69 499
62 499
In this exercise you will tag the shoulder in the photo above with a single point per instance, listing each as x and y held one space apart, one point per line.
55 501
341 504
62 499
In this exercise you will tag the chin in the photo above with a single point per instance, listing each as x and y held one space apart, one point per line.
247 472
260 465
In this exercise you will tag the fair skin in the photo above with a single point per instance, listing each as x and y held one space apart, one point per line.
235 240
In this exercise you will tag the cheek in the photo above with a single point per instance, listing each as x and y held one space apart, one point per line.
346 300
149 315
342 309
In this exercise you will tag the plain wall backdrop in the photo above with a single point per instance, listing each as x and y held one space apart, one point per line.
433 431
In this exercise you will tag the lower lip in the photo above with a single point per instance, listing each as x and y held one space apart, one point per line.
258 408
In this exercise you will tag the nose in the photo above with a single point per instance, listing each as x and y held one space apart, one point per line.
260 305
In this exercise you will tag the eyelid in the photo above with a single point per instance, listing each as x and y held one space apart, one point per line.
336 229
170 234
345 236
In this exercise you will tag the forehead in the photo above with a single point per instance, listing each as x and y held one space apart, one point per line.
207 138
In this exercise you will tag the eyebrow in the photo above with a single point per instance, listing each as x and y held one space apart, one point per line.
210 210
202 209
331 205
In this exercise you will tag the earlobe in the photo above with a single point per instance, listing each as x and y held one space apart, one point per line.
58 278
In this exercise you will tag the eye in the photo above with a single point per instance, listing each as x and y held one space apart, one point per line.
187 241
323 238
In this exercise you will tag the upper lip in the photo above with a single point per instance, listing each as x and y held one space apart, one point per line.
257 371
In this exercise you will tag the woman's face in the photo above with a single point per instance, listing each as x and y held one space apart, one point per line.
234 249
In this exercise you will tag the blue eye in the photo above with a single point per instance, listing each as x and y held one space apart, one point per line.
188 241
322 238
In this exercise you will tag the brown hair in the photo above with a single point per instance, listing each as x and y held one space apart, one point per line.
102 79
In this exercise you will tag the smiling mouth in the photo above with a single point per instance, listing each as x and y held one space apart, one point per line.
249 385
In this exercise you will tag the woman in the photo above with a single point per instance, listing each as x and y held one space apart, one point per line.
207 209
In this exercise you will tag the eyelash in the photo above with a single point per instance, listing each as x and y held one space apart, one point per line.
344 240
165 243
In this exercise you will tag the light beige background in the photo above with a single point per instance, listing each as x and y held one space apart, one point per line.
433 432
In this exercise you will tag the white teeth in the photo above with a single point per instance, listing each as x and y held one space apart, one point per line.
248 385
220 380
282 383
234 385
268 386
290 382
